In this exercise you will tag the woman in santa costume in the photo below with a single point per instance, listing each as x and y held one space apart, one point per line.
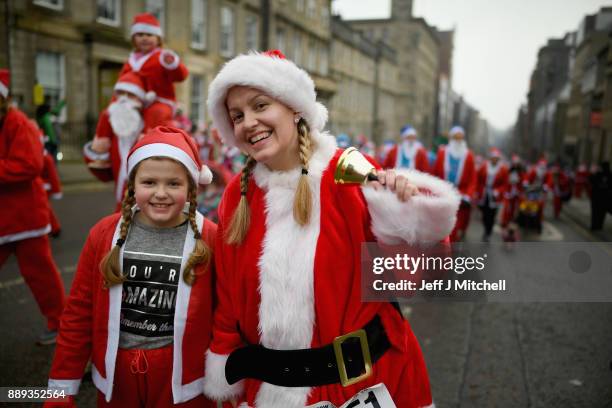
140 306
119 126
408 154
24 223
288 252
160 68
455 163
492 181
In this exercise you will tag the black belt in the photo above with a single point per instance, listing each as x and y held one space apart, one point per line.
347 360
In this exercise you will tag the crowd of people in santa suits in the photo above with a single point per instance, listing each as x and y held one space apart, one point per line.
136 134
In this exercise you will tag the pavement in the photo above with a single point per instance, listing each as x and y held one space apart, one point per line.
579 211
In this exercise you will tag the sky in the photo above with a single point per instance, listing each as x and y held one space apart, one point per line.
496 42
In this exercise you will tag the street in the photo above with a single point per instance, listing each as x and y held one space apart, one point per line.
478 354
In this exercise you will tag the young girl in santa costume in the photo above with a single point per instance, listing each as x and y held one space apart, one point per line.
288 251
160 68
140 306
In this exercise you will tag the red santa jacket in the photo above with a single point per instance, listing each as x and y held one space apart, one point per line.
105 130
466 176
543 179
293 287
51 180
420 161
89 327
498 185
158 75
25 212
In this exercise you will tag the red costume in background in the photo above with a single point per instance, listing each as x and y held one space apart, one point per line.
24 223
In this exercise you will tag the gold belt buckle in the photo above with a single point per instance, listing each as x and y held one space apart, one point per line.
365 351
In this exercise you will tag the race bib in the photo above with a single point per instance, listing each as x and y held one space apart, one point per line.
376 396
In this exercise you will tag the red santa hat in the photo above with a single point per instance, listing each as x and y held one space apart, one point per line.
273 74
495 152
146 23
515 158
5 78
132 82
173 143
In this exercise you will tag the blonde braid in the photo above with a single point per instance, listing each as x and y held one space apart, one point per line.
201 252
242 217
302 204
109 265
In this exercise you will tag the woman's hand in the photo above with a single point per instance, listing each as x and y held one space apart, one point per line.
399 184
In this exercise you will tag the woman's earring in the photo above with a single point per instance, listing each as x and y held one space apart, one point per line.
296 119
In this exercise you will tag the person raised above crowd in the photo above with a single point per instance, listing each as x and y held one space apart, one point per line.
160 68
119 127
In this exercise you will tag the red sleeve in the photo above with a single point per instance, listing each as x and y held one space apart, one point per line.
24 160
471 174
179 74
226 337
74 340
422 164
104 129
390 158
438 169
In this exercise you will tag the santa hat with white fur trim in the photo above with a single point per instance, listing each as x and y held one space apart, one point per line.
146 23
273 74
133 83
173 143
5 78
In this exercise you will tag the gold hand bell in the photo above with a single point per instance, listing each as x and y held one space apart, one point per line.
354 168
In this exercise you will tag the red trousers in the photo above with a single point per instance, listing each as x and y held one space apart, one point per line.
40 274
157 114
463 220
143 378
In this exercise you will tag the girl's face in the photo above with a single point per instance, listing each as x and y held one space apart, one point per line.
144 42
161 189
264 128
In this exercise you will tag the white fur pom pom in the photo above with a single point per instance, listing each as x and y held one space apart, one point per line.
206 175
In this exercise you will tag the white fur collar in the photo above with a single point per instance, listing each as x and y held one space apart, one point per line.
286 266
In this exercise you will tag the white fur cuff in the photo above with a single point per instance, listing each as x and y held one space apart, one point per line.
424 218
175 61
215 384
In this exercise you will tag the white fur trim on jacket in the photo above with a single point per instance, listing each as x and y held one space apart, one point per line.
279 78
215 384
175 62
424 218
286 309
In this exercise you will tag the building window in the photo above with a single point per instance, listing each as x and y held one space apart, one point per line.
52 4
198 99
157 8
312 55
311 11
325 14
299 5
323 61
227 31
281 42
50 74
297 48
252 32
108 12
198 23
